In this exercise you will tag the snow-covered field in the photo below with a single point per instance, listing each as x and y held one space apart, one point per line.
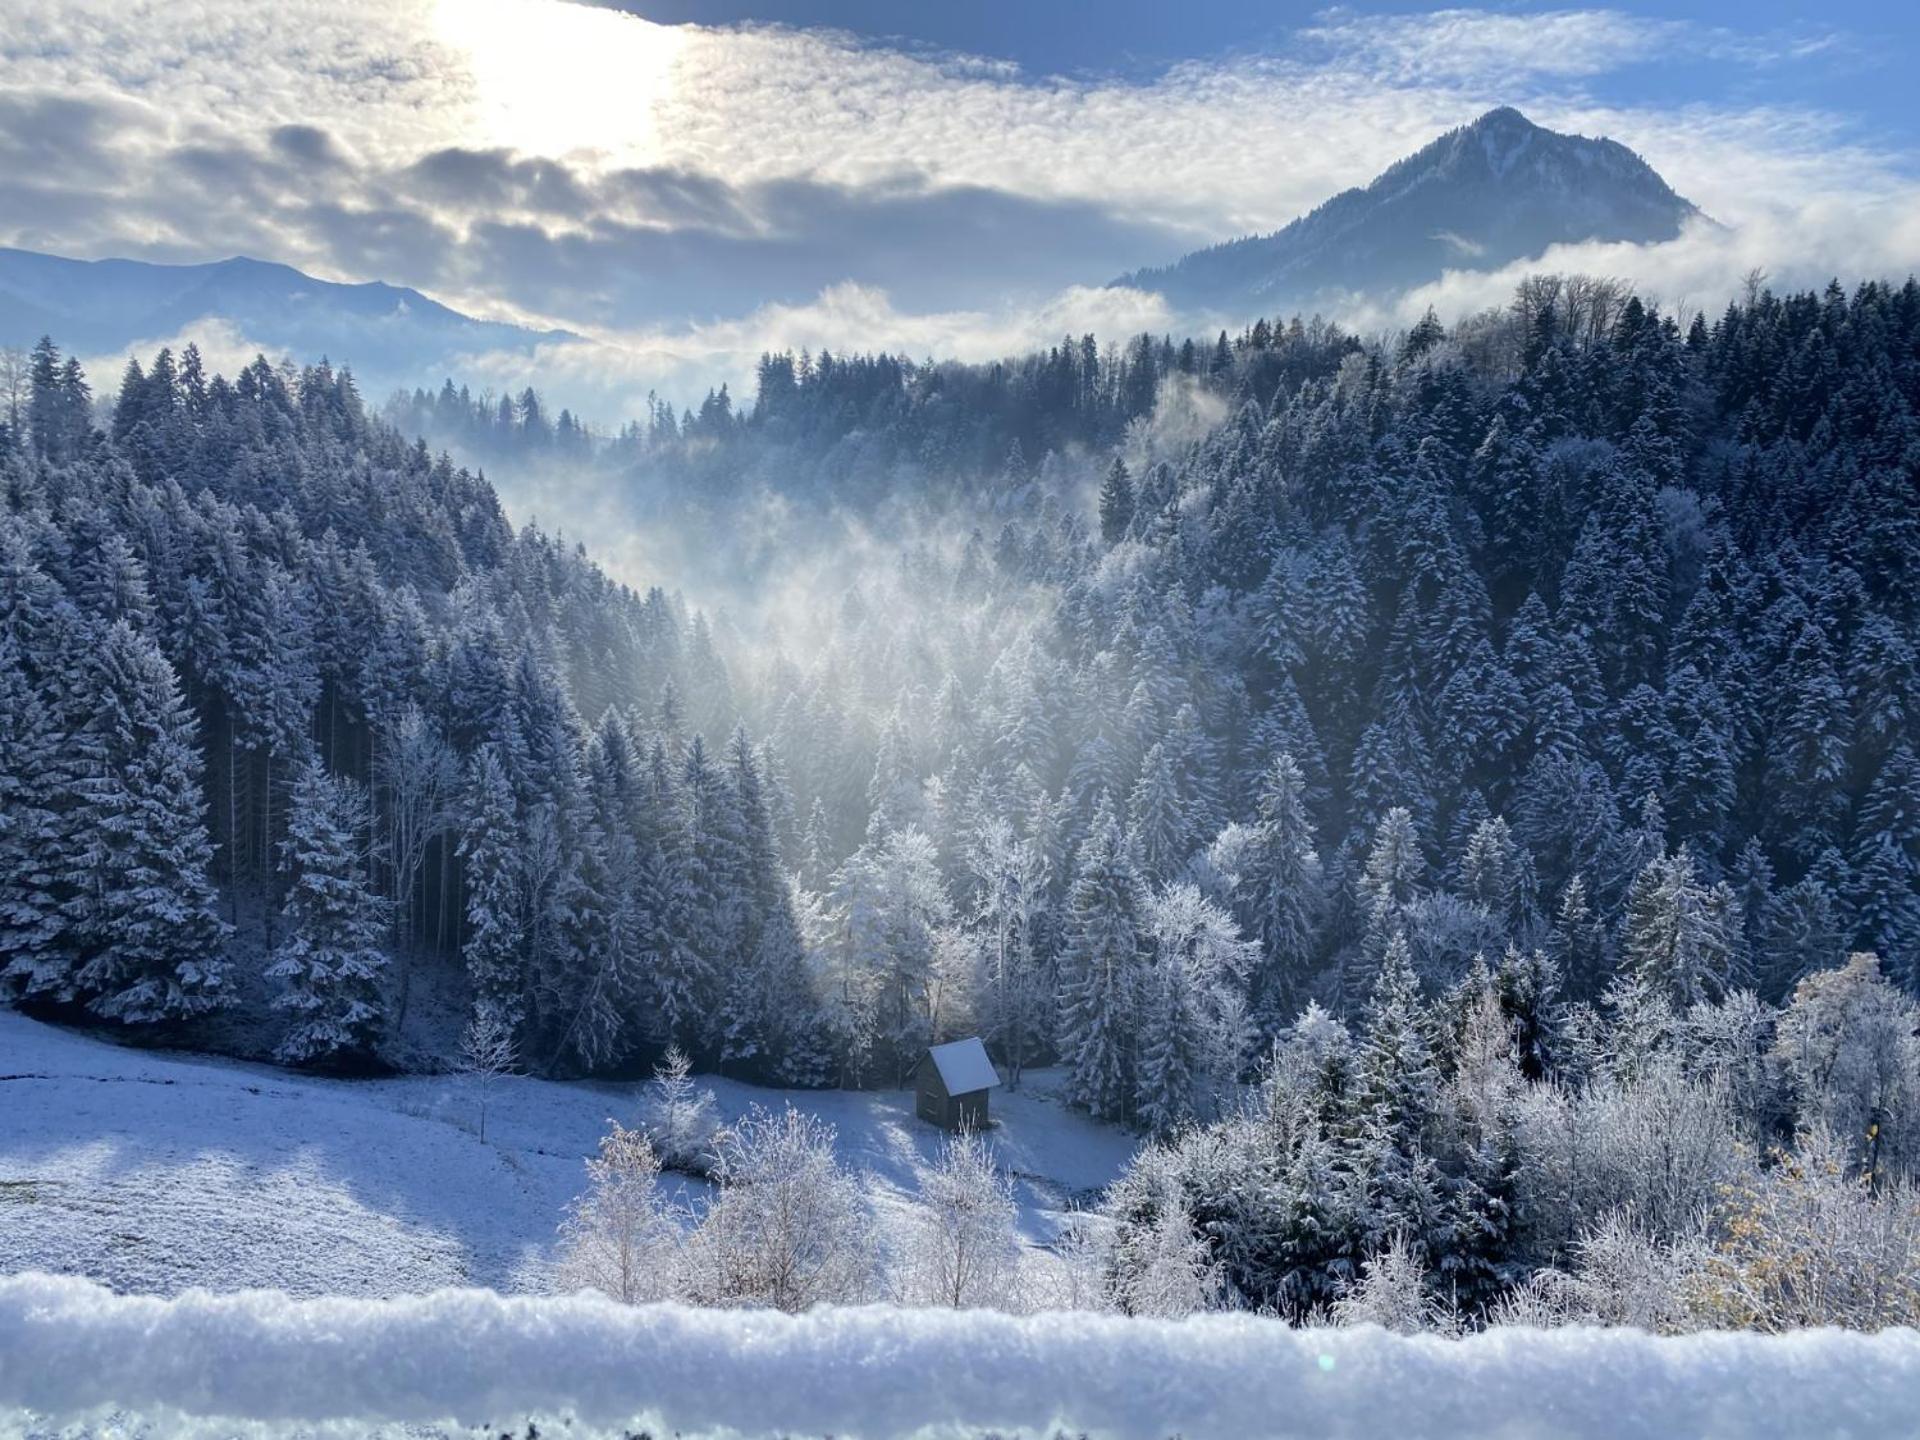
75 1355
180 1175
152 1172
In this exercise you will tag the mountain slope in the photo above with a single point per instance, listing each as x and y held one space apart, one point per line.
389 334
1498 190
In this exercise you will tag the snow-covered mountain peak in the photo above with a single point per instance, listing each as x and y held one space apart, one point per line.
1494 191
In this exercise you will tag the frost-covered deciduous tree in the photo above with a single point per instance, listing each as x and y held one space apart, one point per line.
1810 1241
1848 1049
1164 1268
1392 1292
487 1053
1657 1146
1010 883
963 1252
888 904
417 782
618 1237
1619 1275
1194 1028
680 1117
789 1227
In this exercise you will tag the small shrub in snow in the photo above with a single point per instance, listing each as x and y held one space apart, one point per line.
789 1228
679 1117
617 1238
1392 1293
487 1052
1812 1242
964 1252
1620 1276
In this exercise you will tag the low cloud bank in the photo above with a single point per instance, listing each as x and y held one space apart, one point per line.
71 1351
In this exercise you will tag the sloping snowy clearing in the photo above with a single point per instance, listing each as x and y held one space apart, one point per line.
71 1352
156 1172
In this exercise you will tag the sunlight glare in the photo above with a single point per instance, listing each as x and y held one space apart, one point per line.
557 78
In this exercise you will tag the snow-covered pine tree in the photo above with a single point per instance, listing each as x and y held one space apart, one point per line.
1168 1022
43 837
333 955
1116 503
708 894
1677 932
1393 879
142 906
590 1002
1490 874
1100 974
1806 754
275 684
35 791
1282 893
1801 934
1886 863
1396 1086
1158 834
495 946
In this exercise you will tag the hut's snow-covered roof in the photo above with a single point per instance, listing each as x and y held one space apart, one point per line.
964 1066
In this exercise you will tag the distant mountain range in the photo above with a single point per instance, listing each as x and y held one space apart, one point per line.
1499 190
390 335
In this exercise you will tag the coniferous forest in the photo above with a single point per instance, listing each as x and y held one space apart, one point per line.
1454 793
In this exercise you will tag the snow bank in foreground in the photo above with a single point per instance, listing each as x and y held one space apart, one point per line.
70 1349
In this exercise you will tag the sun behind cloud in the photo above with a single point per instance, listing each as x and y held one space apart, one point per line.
562 79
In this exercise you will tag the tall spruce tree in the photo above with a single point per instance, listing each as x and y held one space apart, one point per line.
1100 978
142 906
1116 503
334 954
1283 893
495 946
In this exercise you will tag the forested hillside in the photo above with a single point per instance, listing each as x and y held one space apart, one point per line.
262 653
1458 769
1567 640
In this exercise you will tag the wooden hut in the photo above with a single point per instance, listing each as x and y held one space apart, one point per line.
951 1084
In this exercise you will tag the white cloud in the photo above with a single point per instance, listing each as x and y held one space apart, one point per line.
1491 48
613 372
1482 47
224 350
1801 248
